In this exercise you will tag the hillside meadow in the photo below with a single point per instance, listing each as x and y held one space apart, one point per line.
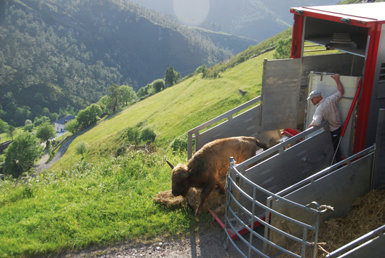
102 198
172 112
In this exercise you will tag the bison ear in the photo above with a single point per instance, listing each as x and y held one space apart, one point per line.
171 166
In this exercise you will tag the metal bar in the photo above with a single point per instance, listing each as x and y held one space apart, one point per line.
226 115
280 146
318 50
252 218
315 248
364 153
303 247
274 212
267 192
240 237
261 238
189 144
367 236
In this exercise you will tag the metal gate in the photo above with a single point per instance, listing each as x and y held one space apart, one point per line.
291 216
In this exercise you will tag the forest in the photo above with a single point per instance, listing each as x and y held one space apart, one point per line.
58 56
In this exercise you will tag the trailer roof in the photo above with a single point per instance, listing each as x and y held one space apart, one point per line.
368 12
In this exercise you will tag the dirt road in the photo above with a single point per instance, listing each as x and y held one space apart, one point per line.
205 242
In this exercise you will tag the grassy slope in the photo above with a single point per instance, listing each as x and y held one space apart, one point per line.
175 110
102 199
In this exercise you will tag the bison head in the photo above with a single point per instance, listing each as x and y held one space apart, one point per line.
180 183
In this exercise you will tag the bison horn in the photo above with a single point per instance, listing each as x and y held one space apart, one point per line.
171 166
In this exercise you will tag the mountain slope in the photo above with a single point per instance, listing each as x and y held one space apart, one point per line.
57 56
255 19
172 112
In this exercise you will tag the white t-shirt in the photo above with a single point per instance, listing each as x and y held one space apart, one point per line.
327 110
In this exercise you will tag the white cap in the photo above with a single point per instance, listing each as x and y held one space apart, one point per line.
314 93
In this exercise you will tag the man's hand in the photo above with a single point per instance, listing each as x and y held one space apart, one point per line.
340 88
336 77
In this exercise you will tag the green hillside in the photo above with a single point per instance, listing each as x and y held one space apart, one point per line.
103 198
172 112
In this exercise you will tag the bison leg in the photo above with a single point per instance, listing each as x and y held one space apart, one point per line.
221 188
206 190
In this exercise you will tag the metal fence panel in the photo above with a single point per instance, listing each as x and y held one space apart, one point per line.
280 93
338 189
244 124
291 165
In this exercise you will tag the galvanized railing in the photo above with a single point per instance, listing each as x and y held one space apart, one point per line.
258 244
356 245
219 131
240 189
301 237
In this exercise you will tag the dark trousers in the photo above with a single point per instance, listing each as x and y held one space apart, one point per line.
335 139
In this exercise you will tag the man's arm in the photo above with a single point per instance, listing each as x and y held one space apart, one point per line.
340 88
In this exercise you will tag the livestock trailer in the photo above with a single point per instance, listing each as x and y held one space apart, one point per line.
288 188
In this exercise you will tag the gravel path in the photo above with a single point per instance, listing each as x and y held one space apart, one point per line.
207 242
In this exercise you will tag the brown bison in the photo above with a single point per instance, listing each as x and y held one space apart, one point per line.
205 169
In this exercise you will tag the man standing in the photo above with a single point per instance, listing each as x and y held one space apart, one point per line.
327 110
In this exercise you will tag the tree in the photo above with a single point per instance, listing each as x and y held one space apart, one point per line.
113 100
28 126
94 112
103 102
45 132
158 85
88 116
283 49
3 126
11 131
143 91
171 76
21 154
40 120
81 148
127 94
72 126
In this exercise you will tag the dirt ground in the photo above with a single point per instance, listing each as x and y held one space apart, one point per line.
205 242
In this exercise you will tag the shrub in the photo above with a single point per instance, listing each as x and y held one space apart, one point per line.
81 148
21 154
179 144
147 135
132 135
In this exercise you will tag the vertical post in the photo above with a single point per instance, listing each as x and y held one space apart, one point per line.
266 247
189 145
228 192
297 35
364 107
315 247
252 220
378 181
304 239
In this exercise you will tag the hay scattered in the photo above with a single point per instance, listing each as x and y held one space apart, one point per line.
215 201
367 214
166 198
